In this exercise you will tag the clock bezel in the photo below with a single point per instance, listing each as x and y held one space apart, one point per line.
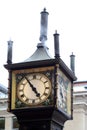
42 70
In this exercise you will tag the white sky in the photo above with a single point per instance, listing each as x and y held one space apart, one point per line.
20 22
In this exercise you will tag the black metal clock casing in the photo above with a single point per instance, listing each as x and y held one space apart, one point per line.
42 91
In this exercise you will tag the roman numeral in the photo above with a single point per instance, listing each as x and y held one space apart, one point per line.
47 88
33 101
23 84
45 94
45 81
26 100
20 90
22 95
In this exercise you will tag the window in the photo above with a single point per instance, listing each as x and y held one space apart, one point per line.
15 123
2 123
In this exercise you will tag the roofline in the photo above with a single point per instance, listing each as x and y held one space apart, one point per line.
44 63
76 82
3 89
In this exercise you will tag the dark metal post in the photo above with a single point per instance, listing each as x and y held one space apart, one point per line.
72 62
9 55
56 45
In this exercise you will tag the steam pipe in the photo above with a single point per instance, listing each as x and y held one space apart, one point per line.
44 25
9 55
72 62
56 45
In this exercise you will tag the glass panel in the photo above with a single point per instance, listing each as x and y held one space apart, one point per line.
2 123
15 123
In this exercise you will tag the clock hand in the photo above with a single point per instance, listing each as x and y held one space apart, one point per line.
33 88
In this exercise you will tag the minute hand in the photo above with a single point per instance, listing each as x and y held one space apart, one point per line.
33 88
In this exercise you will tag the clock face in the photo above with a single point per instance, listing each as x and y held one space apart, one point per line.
64 93
34 88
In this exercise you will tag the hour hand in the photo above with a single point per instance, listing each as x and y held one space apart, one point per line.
33 88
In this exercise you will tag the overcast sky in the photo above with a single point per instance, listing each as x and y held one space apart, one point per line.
20 22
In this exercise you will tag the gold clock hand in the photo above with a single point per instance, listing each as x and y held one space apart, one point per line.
33 88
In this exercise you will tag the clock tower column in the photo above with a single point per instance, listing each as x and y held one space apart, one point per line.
41 87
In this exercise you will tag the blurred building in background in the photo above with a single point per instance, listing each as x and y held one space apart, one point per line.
7 120
79 121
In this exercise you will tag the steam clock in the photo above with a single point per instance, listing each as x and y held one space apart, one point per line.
41 87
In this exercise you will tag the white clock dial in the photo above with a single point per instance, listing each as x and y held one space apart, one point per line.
34 89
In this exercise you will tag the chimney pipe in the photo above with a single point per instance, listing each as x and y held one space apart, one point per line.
9 55
72 62
56 44
44 24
